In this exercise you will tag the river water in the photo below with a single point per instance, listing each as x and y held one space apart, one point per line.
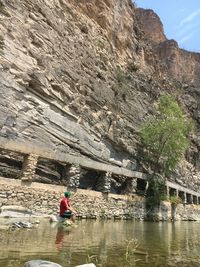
105 243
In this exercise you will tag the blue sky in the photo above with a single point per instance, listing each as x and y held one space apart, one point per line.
180 18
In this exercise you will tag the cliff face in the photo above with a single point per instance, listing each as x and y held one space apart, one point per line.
151 25
181 64
59 77
79 76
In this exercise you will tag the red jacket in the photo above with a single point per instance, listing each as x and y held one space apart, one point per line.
64 205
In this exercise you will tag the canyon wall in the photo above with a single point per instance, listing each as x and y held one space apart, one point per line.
58 73
79 78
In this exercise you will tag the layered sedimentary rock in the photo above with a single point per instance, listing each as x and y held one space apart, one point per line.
61 81
79 77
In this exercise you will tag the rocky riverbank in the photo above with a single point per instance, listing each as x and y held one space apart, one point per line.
41 200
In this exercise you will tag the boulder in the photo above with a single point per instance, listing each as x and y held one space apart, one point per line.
14 211
21 224
56 218
87 265
41 263
15 208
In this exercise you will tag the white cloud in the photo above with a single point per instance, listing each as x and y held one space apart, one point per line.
186 29
190 17
185 38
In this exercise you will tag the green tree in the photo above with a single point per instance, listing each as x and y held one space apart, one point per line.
165 136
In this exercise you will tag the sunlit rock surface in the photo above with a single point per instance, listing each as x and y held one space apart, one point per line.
41 263
79 77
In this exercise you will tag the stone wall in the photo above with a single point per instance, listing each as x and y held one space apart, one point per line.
44 199
181 212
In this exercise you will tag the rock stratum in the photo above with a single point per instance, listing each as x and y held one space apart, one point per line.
79 77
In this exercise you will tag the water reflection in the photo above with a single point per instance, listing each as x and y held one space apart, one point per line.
61 233
105 244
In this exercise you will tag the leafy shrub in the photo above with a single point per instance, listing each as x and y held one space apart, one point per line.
165 136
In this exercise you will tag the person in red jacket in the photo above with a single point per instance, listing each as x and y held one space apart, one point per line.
66 211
